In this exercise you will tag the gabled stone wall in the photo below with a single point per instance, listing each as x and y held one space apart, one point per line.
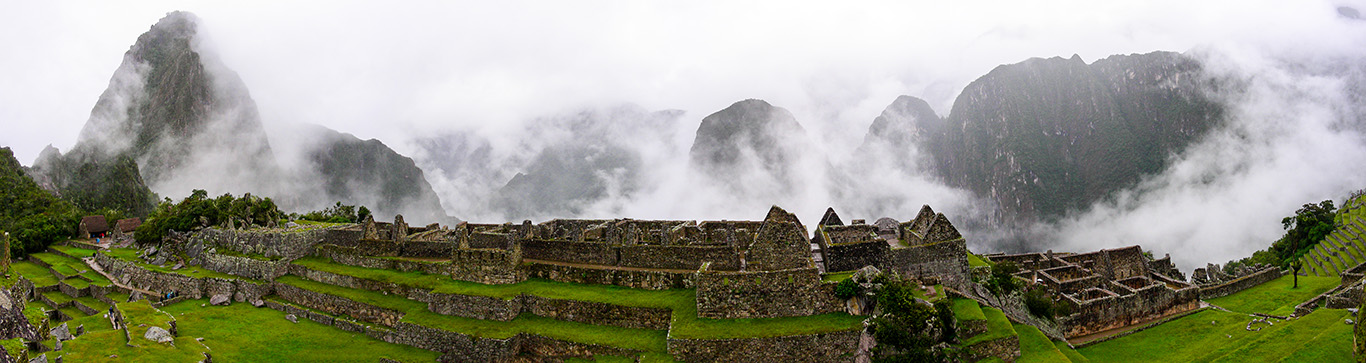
764 294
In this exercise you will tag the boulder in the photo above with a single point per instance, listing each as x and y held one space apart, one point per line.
258 303
62 333
42 358
292 318
220 299
239 297
159 335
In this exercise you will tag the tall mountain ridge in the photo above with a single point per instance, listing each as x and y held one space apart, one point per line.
1044 137
184 121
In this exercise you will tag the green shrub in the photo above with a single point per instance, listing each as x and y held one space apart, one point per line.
1042 305
1002 281
847 289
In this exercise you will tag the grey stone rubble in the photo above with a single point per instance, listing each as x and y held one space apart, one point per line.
292 318
221 299
158 334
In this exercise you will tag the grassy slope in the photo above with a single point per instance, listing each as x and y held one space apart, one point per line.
242 333
1276 297
1036 347
1195 339
685 322
38 274
998 326
1071 354
967 309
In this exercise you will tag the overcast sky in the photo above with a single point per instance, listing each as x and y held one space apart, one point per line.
397 72
386 71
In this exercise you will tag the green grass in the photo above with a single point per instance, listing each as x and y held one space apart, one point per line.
1281 340
977 261
1071 354
417 313
131 255
685 323
73 251
39 275
118 297
62 264
837 276
73 312
93 303
1036 347
36 312
77 283
1213 335
141 312
58 297
13 346
100 346
967 309
97 279
1276 297
242 333
998 326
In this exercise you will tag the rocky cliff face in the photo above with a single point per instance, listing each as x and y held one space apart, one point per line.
176 115
750 136
1046 136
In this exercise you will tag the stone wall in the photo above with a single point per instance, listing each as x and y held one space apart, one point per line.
1352 275
764 294
1240 284
136 276
245 266
1007 349
487 265
779 245
336 305
589 253
264 242
1126 307
853 256
639 279
427 249
828 347
946 261
722 258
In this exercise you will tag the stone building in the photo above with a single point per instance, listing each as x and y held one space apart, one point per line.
92 227
1106 289
927 247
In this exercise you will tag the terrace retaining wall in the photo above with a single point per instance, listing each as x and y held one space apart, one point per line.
827 347
1240 284
764 294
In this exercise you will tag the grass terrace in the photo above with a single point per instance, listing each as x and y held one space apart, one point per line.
58 297
977 261
1277 297
998 326
39 275
685 323
837 276
74 251
1071 354
417 313
138 313
1036 347
93 303
242 333
1218 336
967 309
131 255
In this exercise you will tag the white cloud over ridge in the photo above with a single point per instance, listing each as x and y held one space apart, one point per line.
402 72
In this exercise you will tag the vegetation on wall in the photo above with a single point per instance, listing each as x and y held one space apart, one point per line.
338 213
198 210
909 330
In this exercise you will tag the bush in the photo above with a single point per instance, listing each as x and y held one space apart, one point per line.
198 210
1040 303
847 289
339 213
1002 281
907 330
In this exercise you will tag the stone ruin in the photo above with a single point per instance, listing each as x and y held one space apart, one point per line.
927 247
1106 289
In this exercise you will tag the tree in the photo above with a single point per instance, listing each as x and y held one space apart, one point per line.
1295 268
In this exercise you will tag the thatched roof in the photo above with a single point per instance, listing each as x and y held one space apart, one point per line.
95 224
127 225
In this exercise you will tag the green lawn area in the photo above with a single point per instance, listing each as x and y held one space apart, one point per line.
967 309
138 313
242 333
73 251
1276 297
998 326
1071 354
65 265
837 276
417 313
38 274
101 341
58 297
683 302
977 261
1194 338
77 283
1036 347
131 255
92 302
